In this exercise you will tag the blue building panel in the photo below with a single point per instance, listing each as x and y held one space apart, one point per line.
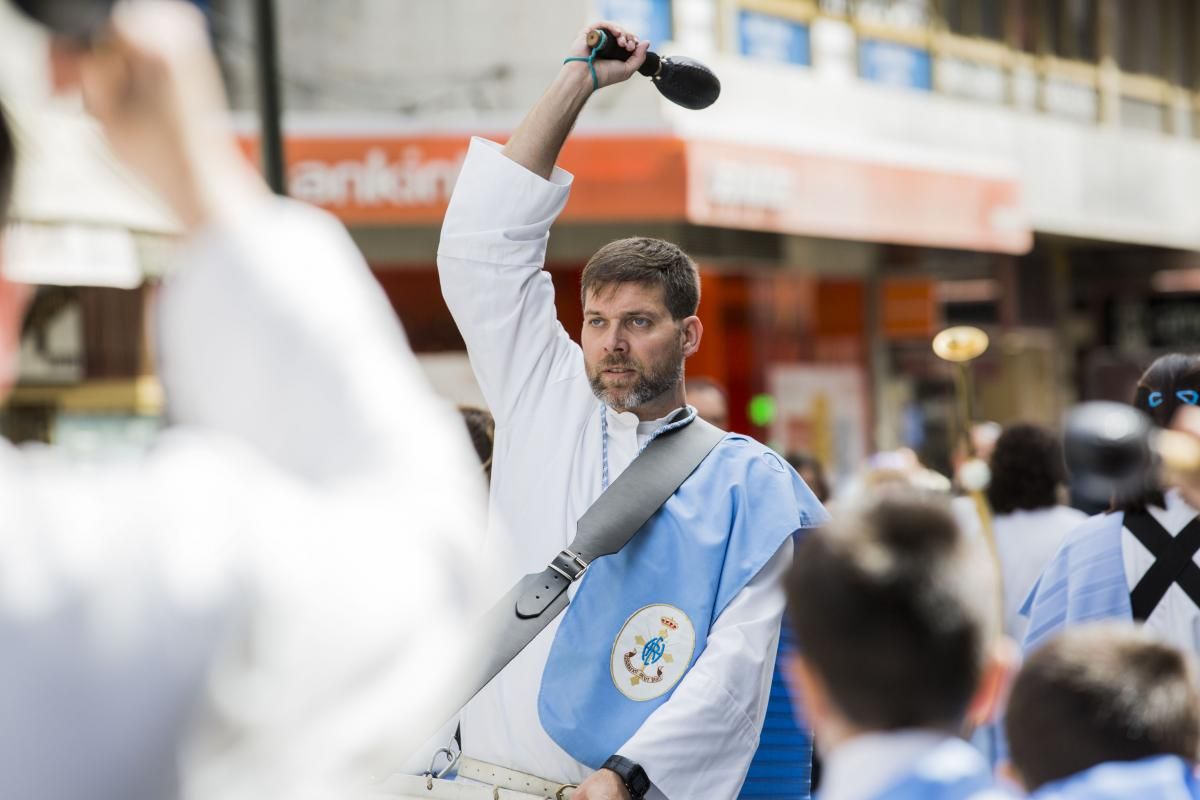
894 64
649 19
773 38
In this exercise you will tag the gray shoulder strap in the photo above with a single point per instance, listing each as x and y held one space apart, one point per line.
604 529
621 511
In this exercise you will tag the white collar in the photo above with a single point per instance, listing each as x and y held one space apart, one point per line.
860 768
1177 512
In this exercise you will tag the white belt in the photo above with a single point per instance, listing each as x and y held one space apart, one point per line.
511 779
492 783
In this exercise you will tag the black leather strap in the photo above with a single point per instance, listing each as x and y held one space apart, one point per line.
1174 562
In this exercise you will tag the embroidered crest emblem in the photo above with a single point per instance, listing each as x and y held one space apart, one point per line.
652 651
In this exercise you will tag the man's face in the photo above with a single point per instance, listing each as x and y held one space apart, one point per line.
632 348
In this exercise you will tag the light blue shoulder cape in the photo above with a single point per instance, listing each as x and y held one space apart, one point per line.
953 771
641 617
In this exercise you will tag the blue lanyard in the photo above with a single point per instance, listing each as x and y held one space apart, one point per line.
670 426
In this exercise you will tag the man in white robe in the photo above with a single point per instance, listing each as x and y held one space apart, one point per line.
569 420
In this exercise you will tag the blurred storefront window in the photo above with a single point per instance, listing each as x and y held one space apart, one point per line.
1072 28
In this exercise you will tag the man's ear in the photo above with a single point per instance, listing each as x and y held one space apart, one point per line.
999 669
693 331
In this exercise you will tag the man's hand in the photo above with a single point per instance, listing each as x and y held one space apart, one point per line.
154 86
603 784
538 140
609 71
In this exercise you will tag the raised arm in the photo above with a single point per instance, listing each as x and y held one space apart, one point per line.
494 241
539 139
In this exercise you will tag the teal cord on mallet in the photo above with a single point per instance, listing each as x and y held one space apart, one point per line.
591 60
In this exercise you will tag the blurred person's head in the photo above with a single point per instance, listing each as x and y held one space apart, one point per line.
481 427
1027 469
892 607
984 437
710 401
1100 693
1170 382
14 297
640 297
810 469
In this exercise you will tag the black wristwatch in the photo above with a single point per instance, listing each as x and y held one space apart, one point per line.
632 775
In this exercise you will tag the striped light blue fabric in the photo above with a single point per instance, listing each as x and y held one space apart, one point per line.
1084 582
781 769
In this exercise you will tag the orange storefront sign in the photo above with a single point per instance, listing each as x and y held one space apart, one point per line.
910 308
815 194
408 181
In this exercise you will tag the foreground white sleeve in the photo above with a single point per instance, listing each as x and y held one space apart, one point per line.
701 741
490 260
275 597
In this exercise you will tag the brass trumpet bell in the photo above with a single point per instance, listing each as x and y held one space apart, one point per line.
960 344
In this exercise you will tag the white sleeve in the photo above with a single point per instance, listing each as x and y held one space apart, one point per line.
700 742
490 260
288 570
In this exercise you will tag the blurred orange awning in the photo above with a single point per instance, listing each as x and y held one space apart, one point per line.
407 180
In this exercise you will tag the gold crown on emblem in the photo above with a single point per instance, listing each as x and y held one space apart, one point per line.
670 623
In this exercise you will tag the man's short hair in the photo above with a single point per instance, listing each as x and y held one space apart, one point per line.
1099 693
1027 470
8 166
649 262
894 608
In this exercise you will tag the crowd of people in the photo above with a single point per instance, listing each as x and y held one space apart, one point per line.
277 601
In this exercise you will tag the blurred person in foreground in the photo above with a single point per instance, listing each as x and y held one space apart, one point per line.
1106 712
481 428
1187 420
569 420
1028 478
710 400
896 651
250 610
1138 561
809 468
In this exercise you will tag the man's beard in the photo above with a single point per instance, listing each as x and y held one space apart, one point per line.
650 383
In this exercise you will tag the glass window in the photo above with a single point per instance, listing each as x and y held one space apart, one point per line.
1022 25
1140 36
898 13
1072 28
983 18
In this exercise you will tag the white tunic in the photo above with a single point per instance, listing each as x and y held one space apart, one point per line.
265 605
547 471
1176 619
861 767
1025 543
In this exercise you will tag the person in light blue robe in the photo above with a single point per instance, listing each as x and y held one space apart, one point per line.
1106 710
1090 578
892 609
954 770
1162 778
